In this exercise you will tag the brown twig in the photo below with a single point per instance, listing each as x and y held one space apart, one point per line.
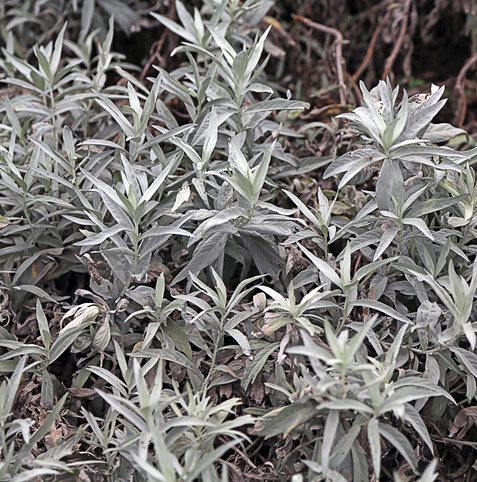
156 49
397 46
338 50
278 27
372 44
60 20
372 10
460 90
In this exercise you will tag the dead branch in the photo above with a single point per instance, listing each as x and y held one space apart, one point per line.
338 50
460 90
397 46
155 54
370 51
156 48
278 27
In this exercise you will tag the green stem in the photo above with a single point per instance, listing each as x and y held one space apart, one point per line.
217 344
53 116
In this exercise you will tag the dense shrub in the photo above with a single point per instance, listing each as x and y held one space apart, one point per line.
184 297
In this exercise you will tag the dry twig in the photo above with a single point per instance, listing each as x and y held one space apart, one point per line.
156 48
156 54
278 27
460 90
372 44
399 41
338 50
